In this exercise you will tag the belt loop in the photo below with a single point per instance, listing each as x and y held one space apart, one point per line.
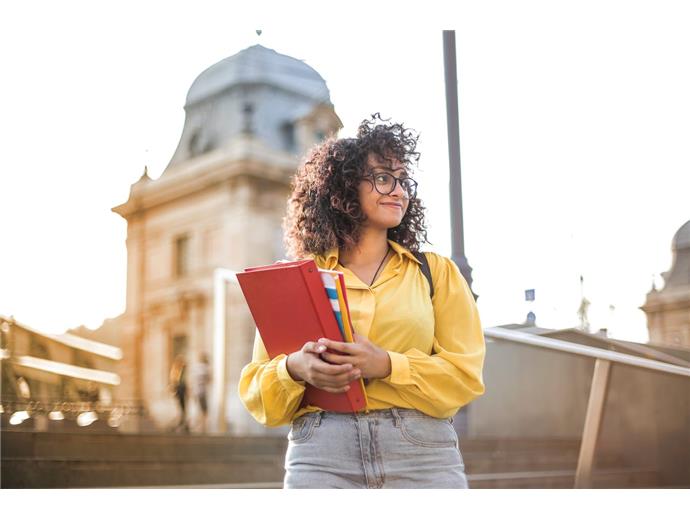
317 419
396 417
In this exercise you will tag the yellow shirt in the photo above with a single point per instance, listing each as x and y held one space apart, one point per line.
437 351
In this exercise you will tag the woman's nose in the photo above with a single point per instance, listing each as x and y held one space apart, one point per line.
398 190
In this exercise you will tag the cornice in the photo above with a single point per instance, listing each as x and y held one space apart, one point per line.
243 156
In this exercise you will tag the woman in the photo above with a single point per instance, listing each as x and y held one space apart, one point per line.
354 209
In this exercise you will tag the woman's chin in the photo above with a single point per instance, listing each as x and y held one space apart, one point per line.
384 223
391 224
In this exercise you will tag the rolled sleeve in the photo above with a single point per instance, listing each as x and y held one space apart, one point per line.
266 388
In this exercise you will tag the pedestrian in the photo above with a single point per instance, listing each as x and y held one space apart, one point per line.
202 377
354 208
178 385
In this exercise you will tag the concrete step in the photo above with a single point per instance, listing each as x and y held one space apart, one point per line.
65 460
136 447
621 478
514 455
627 478
19 474
505 455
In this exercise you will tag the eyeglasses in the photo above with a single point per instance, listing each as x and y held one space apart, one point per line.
385 184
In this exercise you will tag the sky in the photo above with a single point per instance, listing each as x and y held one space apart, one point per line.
574 132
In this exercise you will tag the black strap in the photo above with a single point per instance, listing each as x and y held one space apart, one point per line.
426 271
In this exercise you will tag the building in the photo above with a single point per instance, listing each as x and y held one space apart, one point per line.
218 204
668 309
59 382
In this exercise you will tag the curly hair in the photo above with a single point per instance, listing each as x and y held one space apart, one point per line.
323 210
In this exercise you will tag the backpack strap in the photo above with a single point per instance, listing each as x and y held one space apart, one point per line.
426 271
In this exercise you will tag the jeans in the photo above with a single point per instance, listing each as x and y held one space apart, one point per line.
393 448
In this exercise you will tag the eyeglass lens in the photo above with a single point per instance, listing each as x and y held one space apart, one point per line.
385 184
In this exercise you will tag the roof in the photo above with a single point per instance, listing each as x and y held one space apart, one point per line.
258 64
525 327
258 94
681 240
72 341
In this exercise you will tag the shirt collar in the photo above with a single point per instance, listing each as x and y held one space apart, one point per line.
403 251
330 258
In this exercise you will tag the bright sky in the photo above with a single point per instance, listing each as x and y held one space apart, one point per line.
574 131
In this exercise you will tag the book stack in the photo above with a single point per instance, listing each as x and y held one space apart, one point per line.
293 303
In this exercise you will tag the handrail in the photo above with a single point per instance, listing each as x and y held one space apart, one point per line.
598 388
584 350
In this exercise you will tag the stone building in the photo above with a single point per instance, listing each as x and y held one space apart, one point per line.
218 203
58 382
668 309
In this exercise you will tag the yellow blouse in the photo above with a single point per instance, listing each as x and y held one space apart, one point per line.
437 351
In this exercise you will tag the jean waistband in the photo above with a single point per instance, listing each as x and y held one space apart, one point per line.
383 413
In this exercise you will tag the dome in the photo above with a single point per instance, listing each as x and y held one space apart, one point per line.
681 240
258 64
259 93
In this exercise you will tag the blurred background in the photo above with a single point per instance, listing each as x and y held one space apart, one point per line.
149 151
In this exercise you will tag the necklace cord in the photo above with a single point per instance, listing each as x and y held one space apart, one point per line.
377 269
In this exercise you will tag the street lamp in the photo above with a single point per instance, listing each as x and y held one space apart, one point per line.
56 414
86 418
19 417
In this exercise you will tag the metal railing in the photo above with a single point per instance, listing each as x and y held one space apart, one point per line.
598 389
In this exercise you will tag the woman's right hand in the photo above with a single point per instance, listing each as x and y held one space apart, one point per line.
307 365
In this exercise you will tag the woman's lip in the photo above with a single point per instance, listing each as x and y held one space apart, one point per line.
391 204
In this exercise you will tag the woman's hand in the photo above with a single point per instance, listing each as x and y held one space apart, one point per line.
306 365
373 361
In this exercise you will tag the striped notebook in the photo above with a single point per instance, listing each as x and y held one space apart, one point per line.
334 283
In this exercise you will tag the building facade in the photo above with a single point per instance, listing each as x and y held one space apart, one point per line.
59 382
668 309
218 204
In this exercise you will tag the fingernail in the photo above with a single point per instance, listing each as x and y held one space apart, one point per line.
320 348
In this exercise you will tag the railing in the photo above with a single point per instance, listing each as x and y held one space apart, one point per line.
598 390
84 413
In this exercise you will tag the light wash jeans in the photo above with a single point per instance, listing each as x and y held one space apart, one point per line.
393 448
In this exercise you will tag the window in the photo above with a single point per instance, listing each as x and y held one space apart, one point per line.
247 118
199 144
288 134
181 267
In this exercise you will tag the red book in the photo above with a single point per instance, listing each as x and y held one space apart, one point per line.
290 307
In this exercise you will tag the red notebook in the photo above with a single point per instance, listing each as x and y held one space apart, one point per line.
290 307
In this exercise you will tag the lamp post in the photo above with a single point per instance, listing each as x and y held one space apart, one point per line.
455 188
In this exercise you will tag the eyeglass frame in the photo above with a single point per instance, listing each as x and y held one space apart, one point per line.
370 176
